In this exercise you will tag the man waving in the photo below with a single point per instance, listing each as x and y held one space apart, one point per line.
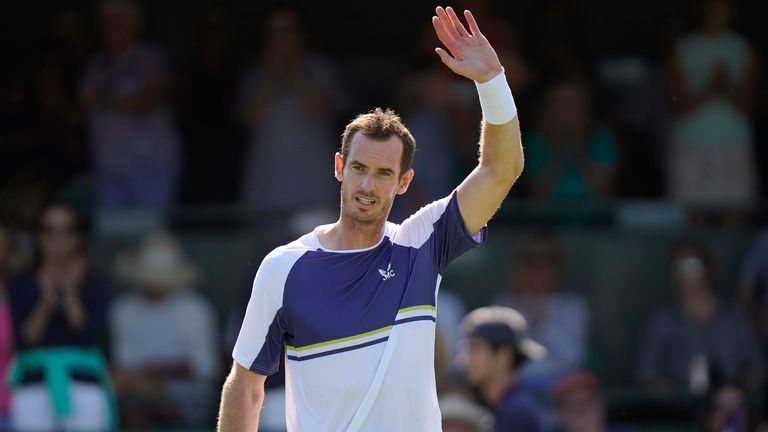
353 302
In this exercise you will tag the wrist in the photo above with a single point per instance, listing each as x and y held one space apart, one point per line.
496 99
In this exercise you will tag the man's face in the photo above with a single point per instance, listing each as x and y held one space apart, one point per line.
480 362
370 178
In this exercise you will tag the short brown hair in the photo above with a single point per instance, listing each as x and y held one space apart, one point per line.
380 125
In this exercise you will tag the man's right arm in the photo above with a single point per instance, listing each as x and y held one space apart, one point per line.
241 400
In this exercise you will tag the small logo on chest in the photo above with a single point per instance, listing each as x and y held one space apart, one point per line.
388 273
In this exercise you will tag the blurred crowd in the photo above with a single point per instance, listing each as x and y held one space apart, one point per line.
106 114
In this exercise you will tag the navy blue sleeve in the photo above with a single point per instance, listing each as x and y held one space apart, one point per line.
451 239
518 419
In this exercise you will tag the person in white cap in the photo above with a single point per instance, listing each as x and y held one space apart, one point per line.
163 337
496 346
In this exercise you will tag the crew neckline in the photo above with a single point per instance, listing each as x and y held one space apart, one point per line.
322 248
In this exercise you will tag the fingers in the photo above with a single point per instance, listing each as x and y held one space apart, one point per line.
472 23
456 22
444 37
446 58
446 23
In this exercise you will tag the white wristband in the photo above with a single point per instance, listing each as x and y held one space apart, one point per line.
496 100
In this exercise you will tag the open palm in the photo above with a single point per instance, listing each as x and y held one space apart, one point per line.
471 55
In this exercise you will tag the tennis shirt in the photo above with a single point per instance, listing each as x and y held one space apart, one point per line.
358 326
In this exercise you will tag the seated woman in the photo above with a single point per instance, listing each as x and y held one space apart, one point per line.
58 304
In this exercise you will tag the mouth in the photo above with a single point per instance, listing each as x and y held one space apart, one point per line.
365 202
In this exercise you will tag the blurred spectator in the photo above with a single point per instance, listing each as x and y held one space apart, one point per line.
497 346
134 142
699 339
752 289
206 100
570 155
580 404
288 103
462 415
557 320
6 334
713 85
57 307
163 347
726 410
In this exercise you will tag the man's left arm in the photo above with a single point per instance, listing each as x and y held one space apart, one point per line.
501 153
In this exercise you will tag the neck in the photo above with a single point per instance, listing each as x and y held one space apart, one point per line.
348 234
494 389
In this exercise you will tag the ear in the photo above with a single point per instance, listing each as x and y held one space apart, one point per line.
338 166
506 357
405 180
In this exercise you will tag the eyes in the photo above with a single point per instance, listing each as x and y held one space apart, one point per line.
362 169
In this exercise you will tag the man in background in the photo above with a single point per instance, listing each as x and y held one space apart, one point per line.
496 348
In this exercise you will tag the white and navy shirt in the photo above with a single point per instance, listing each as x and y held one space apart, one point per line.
358 326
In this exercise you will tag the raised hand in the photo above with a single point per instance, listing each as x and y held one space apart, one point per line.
471 55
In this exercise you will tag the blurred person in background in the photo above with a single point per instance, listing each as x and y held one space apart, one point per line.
752 289
496 347
726 410
752 285
559 321
700 338
6 332
713 86
58 309
290 86
163 338
570 155
580 404
205 103
460 414
134 142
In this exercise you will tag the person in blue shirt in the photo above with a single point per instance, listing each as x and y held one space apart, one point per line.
496 347
353 303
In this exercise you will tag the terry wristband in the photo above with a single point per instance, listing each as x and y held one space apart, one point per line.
496 100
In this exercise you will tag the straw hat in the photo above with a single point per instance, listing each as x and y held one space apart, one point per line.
158 261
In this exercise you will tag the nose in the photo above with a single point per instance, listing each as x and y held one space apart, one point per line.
367 183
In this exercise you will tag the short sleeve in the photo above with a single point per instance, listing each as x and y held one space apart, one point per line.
440 228
262 334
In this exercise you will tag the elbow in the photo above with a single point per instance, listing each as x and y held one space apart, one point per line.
518 167
507 174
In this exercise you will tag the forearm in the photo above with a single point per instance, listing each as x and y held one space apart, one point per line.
501 151
34 326
240 406
75 312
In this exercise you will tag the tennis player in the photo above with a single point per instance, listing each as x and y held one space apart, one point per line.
353 302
